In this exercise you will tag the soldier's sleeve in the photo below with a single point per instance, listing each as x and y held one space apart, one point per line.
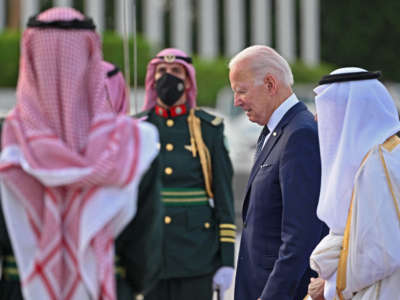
223 197
139 245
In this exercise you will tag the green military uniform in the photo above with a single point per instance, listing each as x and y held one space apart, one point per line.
199 233
138 247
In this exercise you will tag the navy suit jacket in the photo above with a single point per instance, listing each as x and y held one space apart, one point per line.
280 225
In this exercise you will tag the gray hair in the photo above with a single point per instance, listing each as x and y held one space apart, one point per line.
264 60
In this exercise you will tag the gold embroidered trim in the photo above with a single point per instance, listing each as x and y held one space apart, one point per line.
378 289
342 270
227 233
183 193
396 205
391 143
227 240
185 200
342 266
227 225
10 258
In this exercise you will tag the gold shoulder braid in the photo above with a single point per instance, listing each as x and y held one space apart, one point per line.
197 144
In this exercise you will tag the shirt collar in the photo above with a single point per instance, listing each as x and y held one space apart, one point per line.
282 109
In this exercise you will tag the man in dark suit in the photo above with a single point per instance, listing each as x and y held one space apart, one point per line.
280 226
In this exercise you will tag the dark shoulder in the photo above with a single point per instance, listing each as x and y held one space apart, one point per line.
208 118
303 120
142 114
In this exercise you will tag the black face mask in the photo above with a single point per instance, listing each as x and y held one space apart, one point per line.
169 89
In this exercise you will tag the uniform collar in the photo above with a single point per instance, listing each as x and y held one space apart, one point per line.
173 111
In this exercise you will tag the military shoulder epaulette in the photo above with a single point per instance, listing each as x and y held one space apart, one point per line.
141 114
209 118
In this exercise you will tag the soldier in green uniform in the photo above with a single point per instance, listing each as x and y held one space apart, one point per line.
199 230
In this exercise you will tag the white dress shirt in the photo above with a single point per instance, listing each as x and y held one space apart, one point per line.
278 114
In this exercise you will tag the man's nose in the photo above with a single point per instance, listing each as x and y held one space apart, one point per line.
237 101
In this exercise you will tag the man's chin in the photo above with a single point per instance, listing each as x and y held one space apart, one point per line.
254 120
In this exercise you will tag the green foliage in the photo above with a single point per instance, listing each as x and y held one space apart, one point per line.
9 58
212 75
363 34
305 74
113 52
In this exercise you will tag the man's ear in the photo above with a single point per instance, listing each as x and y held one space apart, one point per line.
271 83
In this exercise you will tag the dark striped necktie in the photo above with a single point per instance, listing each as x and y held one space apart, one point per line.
261 140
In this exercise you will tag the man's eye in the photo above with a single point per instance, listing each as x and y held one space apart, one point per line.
176 71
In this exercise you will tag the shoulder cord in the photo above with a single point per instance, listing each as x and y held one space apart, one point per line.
198 145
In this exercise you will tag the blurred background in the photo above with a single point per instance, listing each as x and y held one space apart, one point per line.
315 36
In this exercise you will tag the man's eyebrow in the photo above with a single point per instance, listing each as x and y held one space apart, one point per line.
239 88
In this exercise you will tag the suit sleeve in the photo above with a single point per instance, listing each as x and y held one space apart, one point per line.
299 176
139 245
223 197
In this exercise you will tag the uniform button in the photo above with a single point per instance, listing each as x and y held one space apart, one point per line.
274 133
245 224
170 122
167 219
139 297
168 170
207 225
169 147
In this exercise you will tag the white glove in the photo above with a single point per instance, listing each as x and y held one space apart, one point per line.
222 279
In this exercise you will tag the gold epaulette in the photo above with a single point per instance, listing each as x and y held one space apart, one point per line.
217 121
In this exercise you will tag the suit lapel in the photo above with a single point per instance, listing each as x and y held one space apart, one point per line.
272 140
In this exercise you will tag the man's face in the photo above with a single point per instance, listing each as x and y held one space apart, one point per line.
176 70
172 68
253 98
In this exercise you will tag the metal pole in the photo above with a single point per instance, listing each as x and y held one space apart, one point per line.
135 86
126 51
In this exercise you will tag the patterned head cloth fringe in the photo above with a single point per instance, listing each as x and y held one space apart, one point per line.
69 166
353 116
169 55
116 89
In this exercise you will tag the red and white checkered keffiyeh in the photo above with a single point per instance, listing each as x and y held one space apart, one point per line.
116 90
69 166
150 98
